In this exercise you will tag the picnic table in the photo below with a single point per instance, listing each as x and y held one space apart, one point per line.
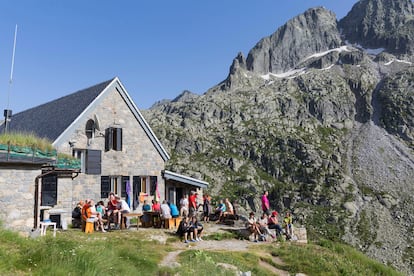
131 215
154 218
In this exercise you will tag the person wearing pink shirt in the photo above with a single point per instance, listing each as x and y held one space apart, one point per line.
265 203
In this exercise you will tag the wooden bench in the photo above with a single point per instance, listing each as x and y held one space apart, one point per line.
169 223
172 223
177 222
130 215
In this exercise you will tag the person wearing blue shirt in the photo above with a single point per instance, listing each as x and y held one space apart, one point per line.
146 206
174 210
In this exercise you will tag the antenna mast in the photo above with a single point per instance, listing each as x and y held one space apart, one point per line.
7 111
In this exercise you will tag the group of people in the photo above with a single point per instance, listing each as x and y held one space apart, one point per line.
166 210
224 209
102 215
190 227
189 207
261 228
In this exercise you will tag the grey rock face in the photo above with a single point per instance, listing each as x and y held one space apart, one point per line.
186 96
385 24
396 94
312 32
332 142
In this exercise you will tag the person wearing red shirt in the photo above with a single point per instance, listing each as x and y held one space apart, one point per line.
156 206
192 202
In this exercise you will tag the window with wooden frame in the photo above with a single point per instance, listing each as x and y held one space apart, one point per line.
115 184
113 138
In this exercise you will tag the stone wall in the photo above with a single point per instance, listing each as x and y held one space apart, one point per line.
17 188
138 157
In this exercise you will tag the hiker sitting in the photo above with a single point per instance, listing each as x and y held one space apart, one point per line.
196 228
165 210
100 212
77 215
146 218
229 208
288 225
253 226
220 210
112 210
273 223
156 206
122 208
165 213
263 226
174 210
86 214
184 229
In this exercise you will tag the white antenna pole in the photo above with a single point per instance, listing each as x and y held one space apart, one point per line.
12 67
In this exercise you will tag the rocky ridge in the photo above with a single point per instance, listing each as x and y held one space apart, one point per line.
326 126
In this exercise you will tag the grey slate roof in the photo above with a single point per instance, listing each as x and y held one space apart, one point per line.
169 175
49 120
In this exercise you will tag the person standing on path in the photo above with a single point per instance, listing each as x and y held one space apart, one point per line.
265 203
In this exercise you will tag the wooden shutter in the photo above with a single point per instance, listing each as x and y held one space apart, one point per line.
93 162
108 139
153 185
49 190
117 139
136 189
105 186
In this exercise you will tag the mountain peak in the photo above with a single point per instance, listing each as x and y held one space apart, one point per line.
185 96
385 24
313 31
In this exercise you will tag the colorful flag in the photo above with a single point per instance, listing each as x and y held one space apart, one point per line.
128 193
157 193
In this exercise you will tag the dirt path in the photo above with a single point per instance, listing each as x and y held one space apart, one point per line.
228 245
171 259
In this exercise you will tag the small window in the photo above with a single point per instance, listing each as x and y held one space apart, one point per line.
113 139
90 129
115 184
49 190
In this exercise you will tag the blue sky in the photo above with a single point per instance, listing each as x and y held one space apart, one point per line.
157 48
